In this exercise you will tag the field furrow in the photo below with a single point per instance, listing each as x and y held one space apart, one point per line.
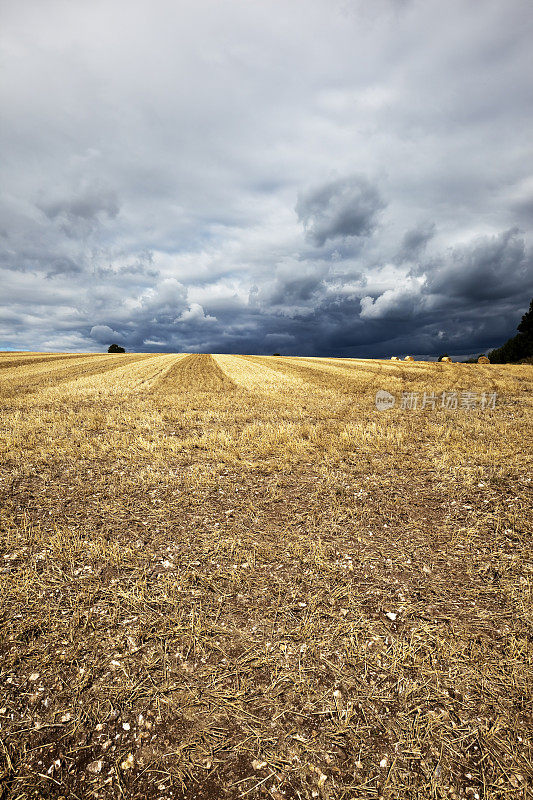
133 377
323 375
11 360
29 379
256 376
195 373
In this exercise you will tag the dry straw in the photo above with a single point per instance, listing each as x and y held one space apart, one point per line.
232 577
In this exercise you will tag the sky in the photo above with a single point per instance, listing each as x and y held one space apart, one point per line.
308 177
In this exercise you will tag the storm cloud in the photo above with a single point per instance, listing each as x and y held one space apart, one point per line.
414 242
342 208
316 178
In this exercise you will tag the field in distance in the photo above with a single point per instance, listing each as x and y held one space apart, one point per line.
234 577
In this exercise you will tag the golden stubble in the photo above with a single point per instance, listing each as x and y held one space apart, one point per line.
232 576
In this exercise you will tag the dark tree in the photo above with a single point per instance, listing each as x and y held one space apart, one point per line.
520 346
526 326
114 348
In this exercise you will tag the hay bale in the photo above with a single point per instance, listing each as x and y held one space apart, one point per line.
446 358
408 358
394 358
483 360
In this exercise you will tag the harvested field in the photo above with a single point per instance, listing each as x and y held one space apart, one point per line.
233 577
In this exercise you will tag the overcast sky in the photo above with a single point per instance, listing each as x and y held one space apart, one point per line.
313 177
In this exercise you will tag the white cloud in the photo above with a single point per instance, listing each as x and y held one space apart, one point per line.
105 335
195 313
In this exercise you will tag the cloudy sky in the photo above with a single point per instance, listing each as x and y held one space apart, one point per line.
313 177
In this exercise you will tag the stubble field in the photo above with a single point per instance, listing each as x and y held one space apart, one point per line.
233 577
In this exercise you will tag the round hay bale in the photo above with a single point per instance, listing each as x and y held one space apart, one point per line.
447 359
483 360
394 358
408 358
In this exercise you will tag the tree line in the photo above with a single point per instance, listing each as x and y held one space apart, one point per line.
519 347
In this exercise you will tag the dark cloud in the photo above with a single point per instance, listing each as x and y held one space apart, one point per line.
463 301
82 212
61 265
339 209
87 204
151 200
414 242
295 284
489 269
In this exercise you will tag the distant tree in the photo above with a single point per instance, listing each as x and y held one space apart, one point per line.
519 347
513 350
526 325
276 354
444 355
114 348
